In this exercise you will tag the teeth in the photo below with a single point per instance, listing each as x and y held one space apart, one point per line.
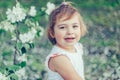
69 38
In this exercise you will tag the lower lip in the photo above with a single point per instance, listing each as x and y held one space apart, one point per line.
69 39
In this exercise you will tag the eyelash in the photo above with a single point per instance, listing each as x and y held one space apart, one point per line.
62 27
75 26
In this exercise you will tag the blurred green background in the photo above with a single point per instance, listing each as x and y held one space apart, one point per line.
101 43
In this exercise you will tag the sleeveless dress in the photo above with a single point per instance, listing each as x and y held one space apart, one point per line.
75 58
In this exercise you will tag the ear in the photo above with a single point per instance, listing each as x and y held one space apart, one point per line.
52 34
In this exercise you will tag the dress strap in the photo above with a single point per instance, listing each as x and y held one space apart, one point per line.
55 55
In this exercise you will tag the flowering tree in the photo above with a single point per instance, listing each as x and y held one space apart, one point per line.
23 27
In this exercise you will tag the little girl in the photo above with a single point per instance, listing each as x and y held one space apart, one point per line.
64 31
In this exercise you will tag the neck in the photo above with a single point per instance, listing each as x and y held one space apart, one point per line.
69 49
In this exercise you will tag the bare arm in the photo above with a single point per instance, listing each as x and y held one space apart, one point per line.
64 67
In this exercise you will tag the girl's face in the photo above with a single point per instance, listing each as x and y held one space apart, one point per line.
67 32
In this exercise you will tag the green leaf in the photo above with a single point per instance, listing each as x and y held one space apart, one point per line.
12 68
27 46
13 77
6 52
2 31
38 33
31 45
19 45
23 50
2 68
23 64
23 28
118 56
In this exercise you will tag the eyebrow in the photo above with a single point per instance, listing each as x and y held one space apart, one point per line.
66 24
61 25
75 23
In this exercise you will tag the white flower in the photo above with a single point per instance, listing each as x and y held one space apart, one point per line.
20 73
106 74
7 26
33 31
22 58
2 76
24 37
28 37
14 38
16 14
43 8
118 70
50 7
32 11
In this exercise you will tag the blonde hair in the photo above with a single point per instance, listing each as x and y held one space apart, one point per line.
65 10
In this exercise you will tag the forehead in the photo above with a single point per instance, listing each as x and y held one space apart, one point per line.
73 18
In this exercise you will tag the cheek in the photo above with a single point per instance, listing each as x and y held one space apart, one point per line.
78 33
58 35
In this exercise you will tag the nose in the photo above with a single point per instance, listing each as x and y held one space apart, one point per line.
70 31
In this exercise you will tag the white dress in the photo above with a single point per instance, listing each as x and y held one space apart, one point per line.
75 58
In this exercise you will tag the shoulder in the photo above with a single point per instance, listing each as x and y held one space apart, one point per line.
62 65
55 52
56 62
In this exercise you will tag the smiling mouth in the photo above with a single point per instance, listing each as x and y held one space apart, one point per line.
69 39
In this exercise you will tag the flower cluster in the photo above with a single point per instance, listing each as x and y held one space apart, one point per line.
16 14
50 8
22 58
29 36
20 73
2 76
32 11
23 29
7 26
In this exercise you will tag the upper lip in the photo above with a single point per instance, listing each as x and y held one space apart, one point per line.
70 38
